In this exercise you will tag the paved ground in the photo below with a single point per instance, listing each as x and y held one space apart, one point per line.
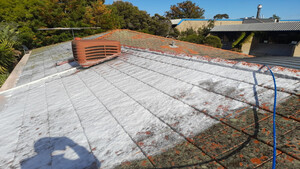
284 61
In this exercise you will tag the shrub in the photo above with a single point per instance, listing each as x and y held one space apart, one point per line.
213 41
3 77
8 41
193 38
6 57
188 31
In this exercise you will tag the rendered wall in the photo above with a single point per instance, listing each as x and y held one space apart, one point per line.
297 50
246 47
198 24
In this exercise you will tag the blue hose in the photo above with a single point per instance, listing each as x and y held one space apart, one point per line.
274 123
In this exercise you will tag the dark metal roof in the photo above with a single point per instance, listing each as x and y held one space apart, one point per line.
48 29
182 20
286 26
255 20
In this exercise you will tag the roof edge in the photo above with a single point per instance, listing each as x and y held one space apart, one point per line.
12 79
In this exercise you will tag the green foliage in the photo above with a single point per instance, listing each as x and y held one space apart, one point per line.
194 38
235 43
188 31
3 77
132 17
27 37
243 38
214 41
276 17
205 29
8 40
186 9
247 39
174 33
160 25
34 14
6 57
99 15
200 37
9 34
221 16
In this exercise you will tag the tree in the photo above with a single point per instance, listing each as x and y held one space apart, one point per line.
221 16
99 15
160 25
276 17
132 17
89 2
186 9
205 29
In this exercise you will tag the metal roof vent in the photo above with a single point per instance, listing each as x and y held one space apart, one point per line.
91 52
173 45
258 11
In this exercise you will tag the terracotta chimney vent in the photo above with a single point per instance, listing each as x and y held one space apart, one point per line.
90 52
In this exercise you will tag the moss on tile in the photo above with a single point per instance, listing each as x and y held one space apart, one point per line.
283 161
290 108
252 155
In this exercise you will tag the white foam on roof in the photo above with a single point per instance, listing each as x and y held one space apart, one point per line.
124 109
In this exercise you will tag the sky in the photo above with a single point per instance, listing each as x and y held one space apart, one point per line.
286 9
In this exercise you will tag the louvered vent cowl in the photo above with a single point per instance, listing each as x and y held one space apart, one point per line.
90 52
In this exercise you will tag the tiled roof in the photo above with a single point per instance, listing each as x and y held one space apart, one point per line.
145 109
158 43
42 61
281 26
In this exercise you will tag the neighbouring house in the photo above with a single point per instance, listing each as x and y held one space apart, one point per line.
262 39
195 24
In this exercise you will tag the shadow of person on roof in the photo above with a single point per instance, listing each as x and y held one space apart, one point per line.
60 152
